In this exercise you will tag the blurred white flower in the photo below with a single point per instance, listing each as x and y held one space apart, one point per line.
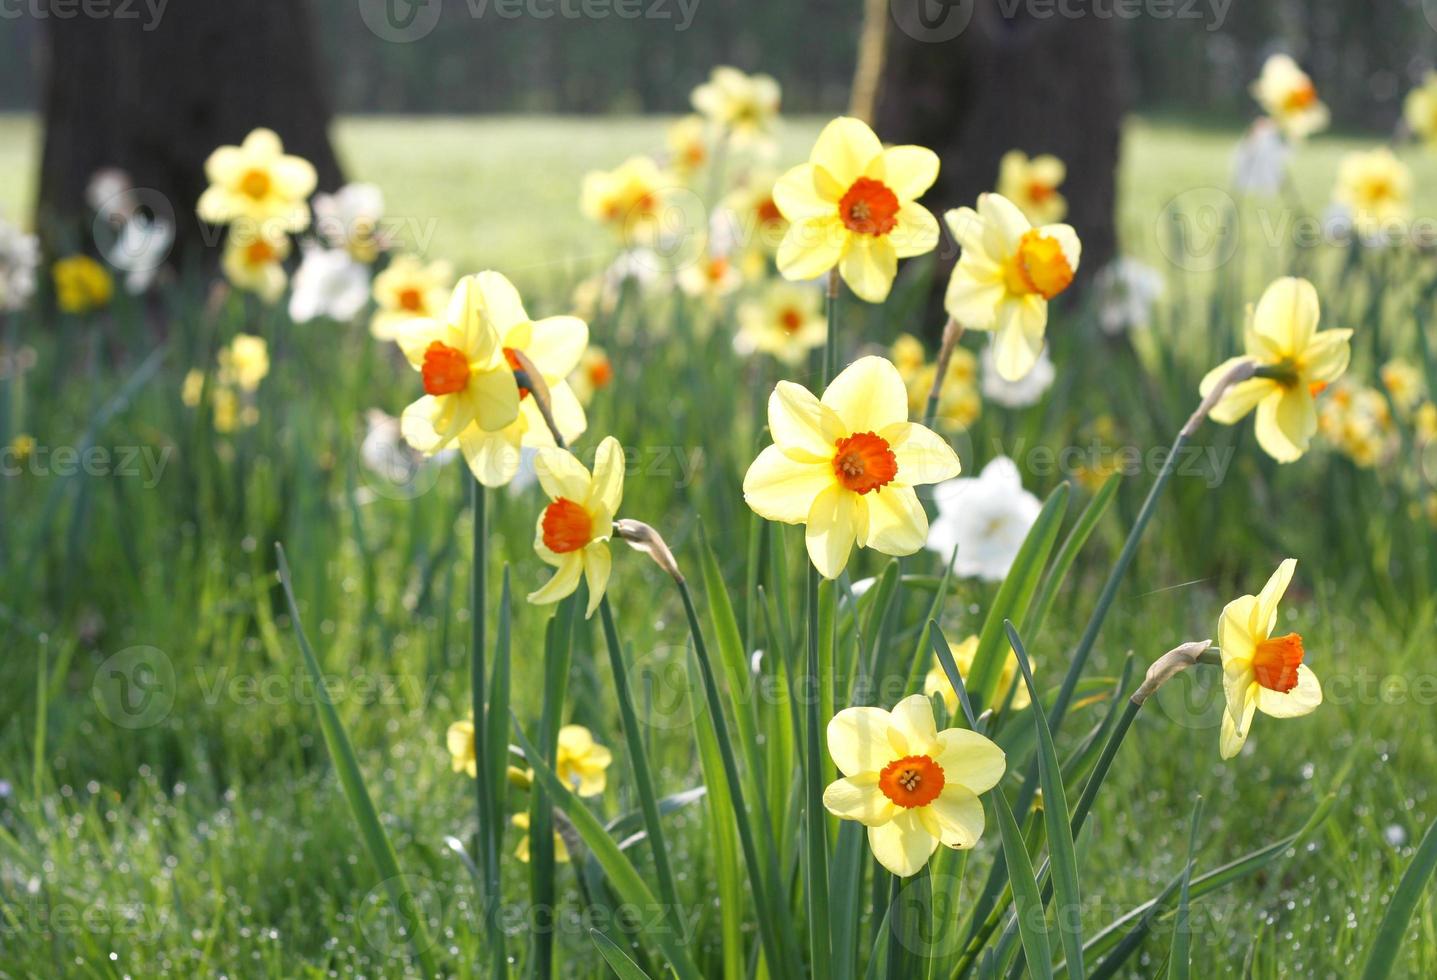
110 194
1023 392
985 517
526 476
1127 290
329 282
385 453
140 250
19 255
349 219
1259 162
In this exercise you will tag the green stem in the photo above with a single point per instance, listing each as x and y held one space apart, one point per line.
816 833
486 845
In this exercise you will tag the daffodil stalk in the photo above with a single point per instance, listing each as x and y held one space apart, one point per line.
952 333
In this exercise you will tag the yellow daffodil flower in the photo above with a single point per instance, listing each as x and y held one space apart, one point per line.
595 371
460 742
709 277
1420 109
573 531
245 362
1376 189
853 205
688 145
581 762
1403 380
469 386
963 653
760 224
81 284
628 200
1261 672
1288 96
746 106
909 356
1008 272
1282 335
911 785
1032 184
845 465
521 820
258 182
254 262
553 346
786 322
406 289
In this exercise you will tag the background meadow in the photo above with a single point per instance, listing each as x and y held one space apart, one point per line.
206 834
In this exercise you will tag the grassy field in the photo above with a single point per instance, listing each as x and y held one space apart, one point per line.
209 835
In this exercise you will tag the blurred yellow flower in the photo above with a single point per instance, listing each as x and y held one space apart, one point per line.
1376 189
786 322
1006 275
258 182
406 289
1282 335
581 762
959 403
1261 672
1424 421
761 225
1032 184
1403 380
908 355
469 386
688 145
845 466
853 206
573 531
1420 109
709 277
460 741
746 106
22 447
628 200
1288 96
255 263
911 785
244 362
81 284
552 345
521 820
937 680
1357 420
595 371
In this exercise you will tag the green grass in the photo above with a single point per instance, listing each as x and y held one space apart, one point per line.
216 836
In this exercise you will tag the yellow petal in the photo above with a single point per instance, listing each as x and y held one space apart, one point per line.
916 232
960 815
1234 630
493 397
293 177
811 247
1240 398
1285 423
975 291
923 455
902 845
892 520
556 345
563 583
493 457
500 306
845 148
967 227
1265 616
561 475
596 572
608 486
1287 314
416 424
831 531
414 336
907 170
858 740
1327 355
1301 700
802 426
868 395
970 760
859 799
1067 240
911 730
1018 336
1234 733
778 488
797 196
869 266
1003 225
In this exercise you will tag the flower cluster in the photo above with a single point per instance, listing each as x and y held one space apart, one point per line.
230 389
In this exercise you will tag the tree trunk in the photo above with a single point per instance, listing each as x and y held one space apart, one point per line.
972 81
154 95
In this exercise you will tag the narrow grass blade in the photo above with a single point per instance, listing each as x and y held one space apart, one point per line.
950 668
815 833
351 780
1180 954
558 640
1068 552
1387 943
1062 857
1014 598
620 872
1032 923
623 967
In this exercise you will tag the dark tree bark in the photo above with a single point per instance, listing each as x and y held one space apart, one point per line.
154 96
972 81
